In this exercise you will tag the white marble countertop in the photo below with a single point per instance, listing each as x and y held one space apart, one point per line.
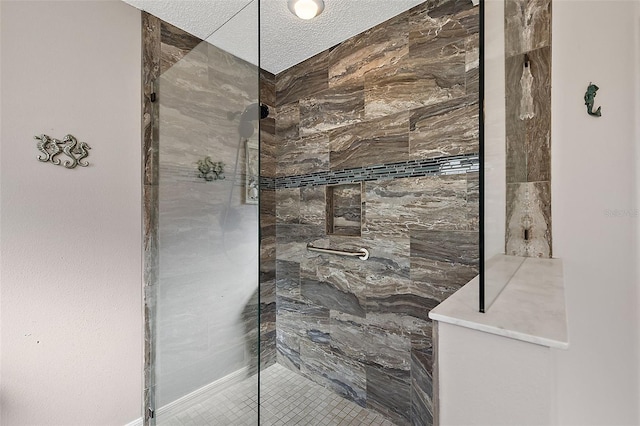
531 307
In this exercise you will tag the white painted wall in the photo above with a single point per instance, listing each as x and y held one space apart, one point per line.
596 233
594 190
489 380
71 239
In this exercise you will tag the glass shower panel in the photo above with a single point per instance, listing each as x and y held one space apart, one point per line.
207 328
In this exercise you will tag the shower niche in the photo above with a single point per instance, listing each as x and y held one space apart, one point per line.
344 210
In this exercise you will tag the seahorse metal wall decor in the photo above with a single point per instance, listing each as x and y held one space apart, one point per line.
589 97
210 170
51 148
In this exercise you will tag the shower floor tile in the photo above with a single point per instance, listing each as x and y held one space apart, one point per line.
287 399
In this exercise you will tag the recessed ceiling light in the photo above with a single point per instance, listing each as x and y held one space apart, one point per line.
306 9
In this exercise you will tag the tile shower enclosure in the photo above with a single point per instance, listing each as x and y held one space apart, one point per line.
391 113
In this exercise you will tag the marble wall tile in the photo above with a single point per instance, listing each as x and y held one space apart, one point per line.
370 343
516 157
267 88
331 108
176 45
444 129
429 202
472 64
538 128
343 375
312 205
529 208
367 143
288 122
303 155
421 412
389 392
287 347
473 201
527 25
443 261
379 47
308 77
292 240
288 205
288 279
344 209
335 284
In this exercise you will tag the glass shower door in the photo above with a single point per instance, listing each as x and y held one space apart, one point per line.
205 342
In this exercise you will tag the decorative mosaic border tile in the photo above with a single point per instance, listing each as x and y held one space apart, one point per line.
415 168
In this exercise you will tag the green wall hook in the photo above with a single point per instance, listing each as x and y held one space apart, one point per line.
589 97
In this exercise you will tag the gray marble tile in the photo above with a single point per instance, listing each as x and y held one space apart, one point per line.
369 342
389 392
529 209
527 25
443 261
287 348
446 128
288 205
288 279
384 140
339 373
331 108
421 412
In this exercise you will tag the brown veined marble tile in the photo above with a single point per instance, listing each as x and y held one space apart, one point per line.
436 32
334 282
529 209
443 261
527 25
288 205
516 158
412 85
302 80
473 201
309 154
380 47
288 279
176 44
538 127
312 205
446 128
472 64
423 203
384 140
150 110
288 121
331 108
267 88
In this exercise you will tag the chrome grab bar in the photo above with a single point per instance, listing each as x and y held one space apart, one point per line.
363 254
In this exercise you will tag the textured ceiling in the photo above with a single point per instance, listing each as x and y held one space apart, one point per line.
285 40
